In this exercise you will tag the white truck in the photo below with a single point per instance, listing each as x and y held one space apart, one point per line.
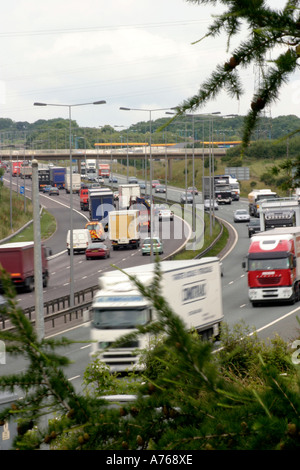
191 287
127 194
124 228
76 182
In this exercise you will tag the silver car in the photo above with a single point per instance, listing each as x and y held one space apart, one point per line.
186 198
241 215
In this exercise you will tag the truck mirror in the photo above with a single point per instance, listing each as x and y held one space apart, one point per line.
294 262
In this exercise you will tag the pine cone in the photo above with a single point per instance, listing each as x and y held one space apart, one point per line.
258 105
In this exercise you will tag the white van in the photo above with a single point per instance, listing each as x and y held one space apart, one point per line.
81 239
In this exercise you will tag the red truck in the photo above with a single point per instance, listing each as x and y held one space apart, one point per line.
18 260
16 168
273 265
104 170
84 199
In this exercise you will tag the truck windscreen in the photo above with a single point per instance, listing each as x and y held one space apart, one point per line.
120 318
268 264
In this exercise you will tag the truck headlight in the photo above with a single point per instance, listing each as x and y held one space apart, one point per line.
252 294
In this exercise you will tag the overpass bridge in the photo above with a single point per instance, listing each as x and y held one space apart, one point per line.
168 153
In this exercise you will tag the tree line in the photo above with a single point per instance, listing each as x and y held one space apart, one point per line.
54 133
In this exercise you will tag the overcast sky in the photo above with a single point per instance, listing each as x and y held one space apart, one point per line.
131 53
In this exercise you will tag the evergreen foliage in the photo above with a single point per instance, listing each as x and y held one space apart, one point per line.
268 28
193 400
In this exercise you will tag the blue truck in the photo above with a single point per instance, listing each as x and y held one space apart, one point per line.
101 202
57 176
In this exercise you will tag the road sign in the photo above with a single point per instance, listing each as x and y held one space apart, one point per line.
22 189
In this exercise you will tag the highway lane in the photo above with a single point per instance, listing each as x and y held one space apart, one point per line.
237 307
268 320
86 273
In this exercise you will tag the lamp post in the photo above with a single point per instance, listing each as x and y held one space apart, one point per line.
70 106
127 162
151 169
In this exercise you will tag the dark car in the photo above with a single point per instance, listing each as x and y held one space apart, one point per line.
160 188
113 179
97 250
132 180
186 198
53 190
253 227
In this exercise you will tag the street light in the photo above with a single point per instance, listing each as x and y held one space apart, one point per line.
127 162
70 106
150 158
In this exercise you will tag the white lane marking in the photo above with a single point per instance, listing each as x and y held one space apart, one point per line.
277 320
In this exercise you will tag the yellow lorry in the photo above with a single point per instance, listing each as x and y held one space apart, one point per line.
124 229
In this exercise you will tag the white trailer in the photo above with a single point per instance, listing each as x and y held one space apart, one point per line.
127 194
191 287
76 182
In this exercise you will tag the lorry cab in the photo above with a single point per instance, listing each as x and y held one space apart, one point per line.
273 266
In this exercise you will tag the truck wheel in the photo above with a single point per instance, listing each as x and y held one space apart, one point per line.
45 280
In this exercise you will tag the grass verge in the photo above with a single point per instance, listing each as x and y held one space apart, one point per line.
48 227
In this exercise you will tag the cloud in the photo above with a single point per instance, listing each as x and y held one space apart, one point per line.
129 52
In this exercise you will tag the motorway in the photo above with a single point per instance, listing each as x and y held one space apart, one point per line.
86 273
267 320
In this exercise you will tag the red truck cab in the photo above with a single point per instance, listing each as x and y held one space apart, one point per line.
84 199
274 266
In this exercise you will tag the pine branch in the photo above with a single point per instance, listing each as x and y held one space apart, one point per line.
268 28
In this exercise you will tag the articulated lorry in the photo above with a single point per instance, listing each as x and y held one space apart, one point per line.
44 178
217 188
124 229
26 171
256 197
57 176
192 288
18 260
15 168
273 266
101 202
128 193
84 199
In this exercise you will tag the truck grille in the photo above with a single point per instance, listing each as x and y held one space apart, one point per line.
122 356
263 281
270 294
